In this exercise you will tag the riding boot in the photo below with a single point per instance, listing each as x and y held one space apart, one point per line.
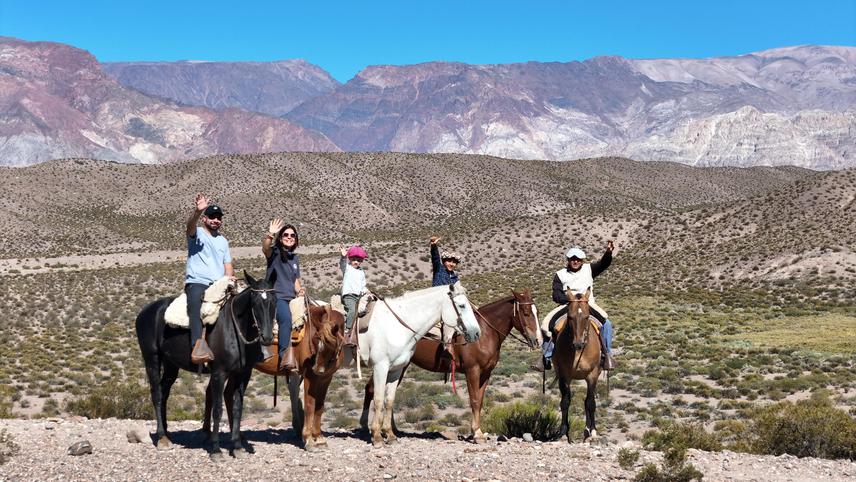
201 353
351 337
545 361
287 362
607 362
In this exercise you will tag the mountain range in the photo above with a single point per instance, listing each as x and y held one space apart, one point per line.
788 106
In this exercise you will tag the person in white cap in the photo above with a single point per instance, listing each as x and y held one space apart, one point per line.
578 276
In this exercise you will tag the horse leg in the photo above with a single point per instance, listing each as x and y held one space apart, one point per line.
153 372
591 405
400 378
309 412
238 385
216 387
170 374
367 400
380 372
475 390
392 380
297 416
320 389
206 423
565 389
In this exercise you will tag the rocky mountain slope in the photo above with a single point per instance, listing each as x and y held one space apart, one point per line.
791 106
271 88
56 102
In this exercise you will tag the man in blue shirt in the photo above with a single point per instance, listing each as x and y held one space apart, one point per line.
208 260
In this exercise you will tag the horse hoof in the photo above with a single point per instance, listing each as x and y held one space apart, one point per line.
377 443
392 440
164 443
480 439
309 446
321 443
239 454
217 457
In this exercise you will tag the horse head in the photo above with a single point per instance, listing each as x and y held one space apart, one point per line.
328 339
578 317
459 314
262 306
525 318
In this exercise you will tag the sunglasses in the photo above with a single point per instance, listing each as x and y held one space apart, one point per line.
216 216
289 235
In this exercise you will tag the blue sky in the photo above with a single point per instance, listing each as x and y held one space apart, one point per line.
343 37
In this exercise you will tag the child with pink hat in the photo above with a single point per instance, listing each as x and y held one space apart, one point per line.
353 283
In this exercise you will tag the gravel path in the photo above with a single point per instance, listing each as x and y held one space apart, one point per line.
44 443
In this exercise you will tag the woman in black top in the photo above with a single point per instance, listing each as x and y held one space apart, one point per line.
283 265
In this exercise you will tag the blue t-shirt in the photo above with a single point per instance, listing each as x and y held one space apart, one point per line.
206 256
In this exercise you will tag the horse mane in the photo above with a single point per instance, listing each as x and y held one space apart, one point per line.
426 290
327 334
500 301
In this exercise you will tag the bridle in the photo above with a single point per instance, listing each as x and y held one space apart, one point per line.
459 320
585 328
252 312
516 316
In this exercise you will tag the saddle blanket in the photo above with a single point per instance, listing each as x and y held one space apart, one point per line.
215 296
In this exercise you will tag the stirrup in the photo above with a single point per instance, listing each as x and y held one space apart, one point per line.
201 353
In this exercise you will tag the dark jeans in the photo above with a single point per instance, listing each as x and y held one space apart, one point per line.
194 292
283 321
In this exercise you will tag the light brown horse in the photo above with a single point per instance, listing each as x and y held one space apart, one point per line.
477 360
318 355
577 357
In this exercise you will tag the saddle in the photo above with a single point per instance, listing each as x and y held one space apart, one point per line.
365 307
214 299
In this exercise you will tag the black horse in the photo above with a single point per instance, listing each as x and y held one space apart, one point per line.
244 319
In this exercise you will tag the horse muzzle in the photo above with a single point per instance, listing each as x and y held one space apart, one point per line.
472 336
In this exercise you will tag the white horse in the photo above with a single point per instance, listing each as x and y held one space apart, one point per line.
391 339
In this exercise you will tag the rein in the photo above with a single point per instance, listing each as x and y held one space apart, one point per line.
429 336
510 332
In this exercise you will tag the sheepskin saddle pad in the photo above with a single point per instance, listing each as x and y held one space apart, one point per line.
214 298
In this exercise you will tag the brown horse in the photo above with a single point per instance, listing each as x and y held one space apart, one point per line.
318 355
577 357
477 360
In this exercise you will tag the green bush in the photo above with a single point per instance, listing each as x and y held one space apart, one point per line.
808 428
523 417
681 436
627 458
675 469
114 399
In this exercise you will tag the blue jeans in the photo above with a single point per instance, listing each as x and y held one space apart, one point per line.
607 335
283 321
606 331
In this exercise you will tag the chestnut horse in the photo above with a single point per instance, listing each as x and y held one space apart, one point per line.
577 357
318 355
477 360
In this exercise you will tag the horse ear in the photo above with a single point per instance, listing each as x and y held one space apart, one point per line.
252 281
588 293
